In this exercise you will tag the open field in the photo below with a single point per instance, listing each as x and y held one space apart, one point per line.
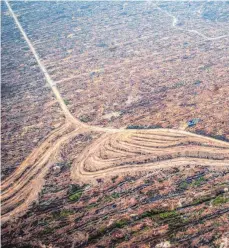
97 102
29 109
136 63
187 206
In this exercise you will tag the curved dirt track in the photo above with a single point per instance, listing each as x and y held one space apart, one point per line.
114 153
174 25
117 151
21 188
133 151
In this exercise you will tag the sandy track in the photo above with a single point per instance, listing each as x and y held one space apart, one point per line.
116 152
121 152
137 151
203 36
49 80
22 187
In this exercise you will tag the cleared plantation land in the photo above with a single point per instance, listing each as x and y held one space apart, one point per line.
29 110
115 153
186 206
138 63
90 186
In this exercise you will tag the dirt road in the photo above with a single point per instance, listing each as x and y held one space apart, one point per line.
147 150
175 21
49 80
117 151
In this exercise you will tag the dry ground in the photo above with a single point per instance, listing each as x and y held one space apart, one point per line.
93 186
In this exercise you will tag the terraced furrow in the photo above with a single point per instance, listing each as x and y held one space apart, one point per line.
23 186
115 152
137 151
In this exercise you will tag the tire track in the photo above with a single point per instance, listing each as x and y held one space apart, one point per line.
23 186
128 152
117 151
175 21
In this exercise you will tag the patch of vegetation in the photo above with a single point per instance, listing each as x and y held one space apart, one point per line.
76 196
42 222
74 188
143 127
198 181
193 183
151 193
184 185
220 200
173 218
93 205
121 223
168 214
102 230
102 45
150 213
215 136
198 82
62 214
66 102
220 137
75 192
108 198
201 200
85 118
66 212
178 85
160 180
114 179
115 195
206 67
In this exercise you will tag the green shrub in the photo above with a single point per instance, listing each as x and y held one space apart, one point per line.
143 127
76 196
121 223
65 213
168 214
93 205
183 185
198 181
220 200
150 213
108 198
66 102
85 118
178 85
115 195
201 200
